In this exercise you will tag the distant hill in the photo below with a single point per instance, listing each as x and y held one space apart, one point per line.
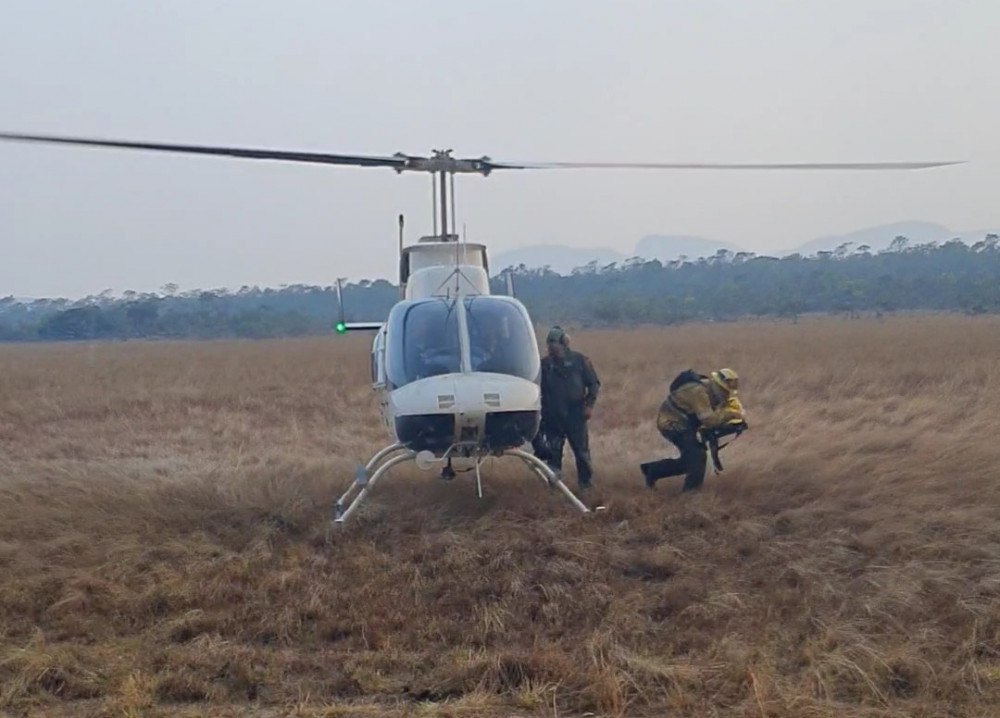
669 247
565 259
880 237
560 259
975 235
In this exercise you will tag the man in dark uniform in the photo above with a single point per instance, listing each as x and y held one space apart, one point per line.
569 392
695 404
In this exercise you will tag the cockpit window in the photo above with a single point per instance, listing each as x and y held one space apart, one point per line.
501 339
423 341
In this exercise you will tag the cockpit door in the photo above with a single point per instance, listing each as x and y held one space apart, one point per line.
423 340
501 339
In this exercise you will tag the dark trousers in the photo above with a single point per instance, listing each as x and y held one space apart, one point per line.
551 439
691 463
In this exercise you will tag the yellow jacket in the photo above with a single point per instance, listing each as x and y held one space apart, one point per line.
702 401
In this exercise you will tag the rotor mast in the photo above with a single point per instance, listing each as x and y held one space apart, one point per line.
445 201
443 167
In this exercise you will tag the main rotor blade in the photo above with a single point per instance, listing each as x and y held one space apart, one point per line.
713 166
255 154
440 163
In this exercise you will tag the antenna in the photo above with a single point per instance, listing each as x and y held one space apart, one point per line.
401 235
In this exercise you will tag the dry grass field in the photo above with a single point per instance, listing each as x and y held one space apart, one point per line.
164 547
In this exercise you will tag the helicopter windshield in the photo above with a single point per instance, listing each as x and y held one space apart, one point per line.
423 341
501 339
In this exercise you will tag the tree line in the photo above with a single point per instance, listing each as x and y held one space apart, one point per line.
952 276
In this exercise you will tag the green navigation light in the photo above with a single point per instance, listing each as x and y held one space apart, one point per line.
341 328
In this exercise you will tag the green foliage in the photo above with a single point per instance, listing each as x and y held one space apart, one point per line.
948 277
726 286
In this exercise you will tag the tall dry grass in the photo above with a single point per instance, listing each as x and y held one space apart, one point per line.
164 547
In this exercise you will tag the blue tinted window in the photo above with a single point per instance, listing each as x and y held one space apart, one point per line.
423 341
501 339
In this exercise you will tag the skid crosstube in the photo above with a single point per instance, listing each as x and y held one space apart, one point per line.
367 476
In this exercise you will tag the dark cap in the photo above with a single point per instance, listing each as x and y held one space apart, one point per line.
557 335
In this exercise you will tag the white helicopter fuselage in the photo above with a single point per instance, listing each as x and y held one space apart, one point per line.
456 369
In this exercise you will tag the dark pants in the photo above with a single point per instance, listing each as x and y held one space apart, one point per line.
691 463
552 438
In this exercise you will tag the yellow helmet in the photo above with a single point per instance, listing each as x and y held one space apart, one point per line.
727 379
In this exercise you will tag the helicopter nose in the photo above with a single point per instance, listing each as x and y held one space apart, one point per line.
488 410
496 411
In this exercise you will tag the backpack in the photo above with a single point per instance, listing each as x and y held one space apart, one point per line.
687 376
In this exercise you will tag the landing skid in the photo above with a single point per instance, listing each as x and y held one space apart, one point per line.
396 454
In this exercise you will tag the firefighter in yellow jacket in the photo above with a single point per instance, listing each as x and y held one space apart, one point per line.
697 410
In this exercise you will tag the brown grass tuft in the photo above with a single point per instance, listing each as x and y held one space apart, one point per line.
164 547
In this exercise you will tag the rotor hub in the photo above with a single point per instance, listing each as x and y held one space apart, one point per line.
442 161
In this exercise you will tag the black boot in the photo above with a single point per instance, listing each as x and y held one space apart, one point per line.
650 481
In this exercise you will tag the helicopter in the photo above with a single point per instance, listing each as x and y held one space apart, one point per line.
456 368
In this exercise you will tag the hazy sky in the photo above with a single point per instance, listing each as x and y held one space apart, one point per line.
558 80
